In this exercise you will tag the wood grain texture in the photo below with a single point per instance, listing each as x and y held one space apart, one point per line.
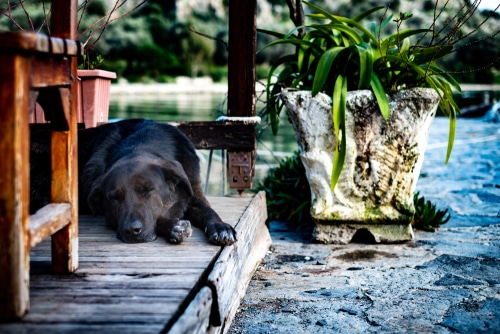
195 319
48 220
236 264
220 135
38 43
50 71
132 288
14 184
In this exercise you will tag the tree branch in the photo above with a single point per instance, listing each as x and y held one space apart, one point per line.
297 15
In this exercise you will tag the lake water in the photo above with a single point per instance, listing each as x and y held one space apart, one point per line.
203 106
179 106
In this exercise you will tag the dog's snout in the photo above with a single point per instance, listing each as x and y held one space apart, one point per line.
133 229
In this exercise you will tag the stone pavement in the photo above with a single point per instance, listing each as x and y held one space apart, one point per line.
442 282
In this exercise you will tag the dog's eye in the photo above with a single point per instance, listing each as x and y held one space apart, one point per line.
145 191
116 196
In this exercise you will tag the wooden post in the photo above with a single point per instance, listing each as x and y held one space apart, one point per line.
241 83
14 185
64 187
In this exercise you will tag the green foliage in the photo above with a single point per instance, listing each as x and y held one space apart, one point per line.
157 22
338 54
427 217
288 194
89 63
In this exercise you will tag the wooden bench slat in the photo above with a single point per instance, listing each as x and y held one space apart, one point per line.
31 42
48 220
219 135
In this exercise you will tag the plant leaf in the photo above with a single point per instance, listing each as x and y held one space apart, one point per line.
294 41
451 134
271 90
429 54
271 33
323 68
361 16
338 106
379 92
320 10
365 65
350 32
358 26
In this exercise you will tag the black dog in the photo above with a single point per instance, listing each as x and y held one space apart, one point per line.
144 177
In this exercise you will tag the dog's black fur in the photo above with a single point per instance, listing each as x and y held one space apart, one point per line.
143 176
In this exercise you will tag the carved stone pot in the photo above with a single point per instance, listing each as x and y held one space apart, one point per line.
382 163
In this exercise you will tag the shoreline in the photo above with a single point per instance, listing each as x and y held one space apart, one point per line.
167 88
182 85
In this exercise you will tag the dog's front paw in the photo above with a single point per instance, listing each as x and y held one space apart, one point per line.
220 234
179 231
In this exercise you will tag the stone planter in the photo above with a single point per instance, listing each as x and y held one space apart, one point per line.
93 100
382 163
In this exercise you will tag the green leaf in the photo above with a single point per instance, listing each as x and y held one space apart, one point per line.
394 38
379 92
428 54
293 41
291 32
447 104
351 23
271 90
338 106
446 77
271 33
405 47
350 32
320 10
301 78
323 68
365 64
451 134
363 15
387 20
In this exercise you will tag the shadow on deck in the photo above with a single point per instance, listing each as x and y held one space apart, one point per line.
152 287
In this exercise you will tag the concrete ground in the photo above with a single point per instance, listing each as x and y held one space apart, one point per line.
442 282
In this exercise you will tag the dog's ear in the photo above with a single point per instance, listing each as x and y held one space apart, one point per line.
173 172
95 198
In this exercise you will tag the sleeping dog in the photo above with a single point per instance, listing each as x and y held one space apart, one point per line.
144 177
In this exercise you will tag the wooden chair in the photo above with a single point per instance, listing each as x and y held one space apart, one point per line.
36 67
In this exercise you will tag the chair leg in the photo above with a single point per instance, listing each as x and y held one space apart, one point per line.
64 189
14 186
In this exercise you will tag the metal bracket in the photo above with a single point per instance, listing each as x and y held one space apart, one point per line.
240 170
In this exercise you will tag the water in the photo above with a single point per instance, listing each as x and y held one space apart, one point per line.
204 106
207 106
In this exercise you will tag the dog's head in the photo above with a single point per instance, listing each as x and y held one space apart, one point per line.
136 192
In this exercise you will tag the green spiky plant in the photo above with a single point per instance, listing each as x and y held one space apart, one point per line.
427 217
337 54
288 195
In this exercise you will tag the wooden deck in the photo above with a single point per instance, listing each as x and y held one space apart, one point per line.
152 287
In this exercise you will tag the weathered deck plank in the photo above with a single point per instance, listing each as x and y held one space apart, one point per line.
131 288
232 272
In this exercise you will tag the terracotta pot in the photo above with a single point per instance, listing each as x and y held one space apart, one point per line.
93 100
382 163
